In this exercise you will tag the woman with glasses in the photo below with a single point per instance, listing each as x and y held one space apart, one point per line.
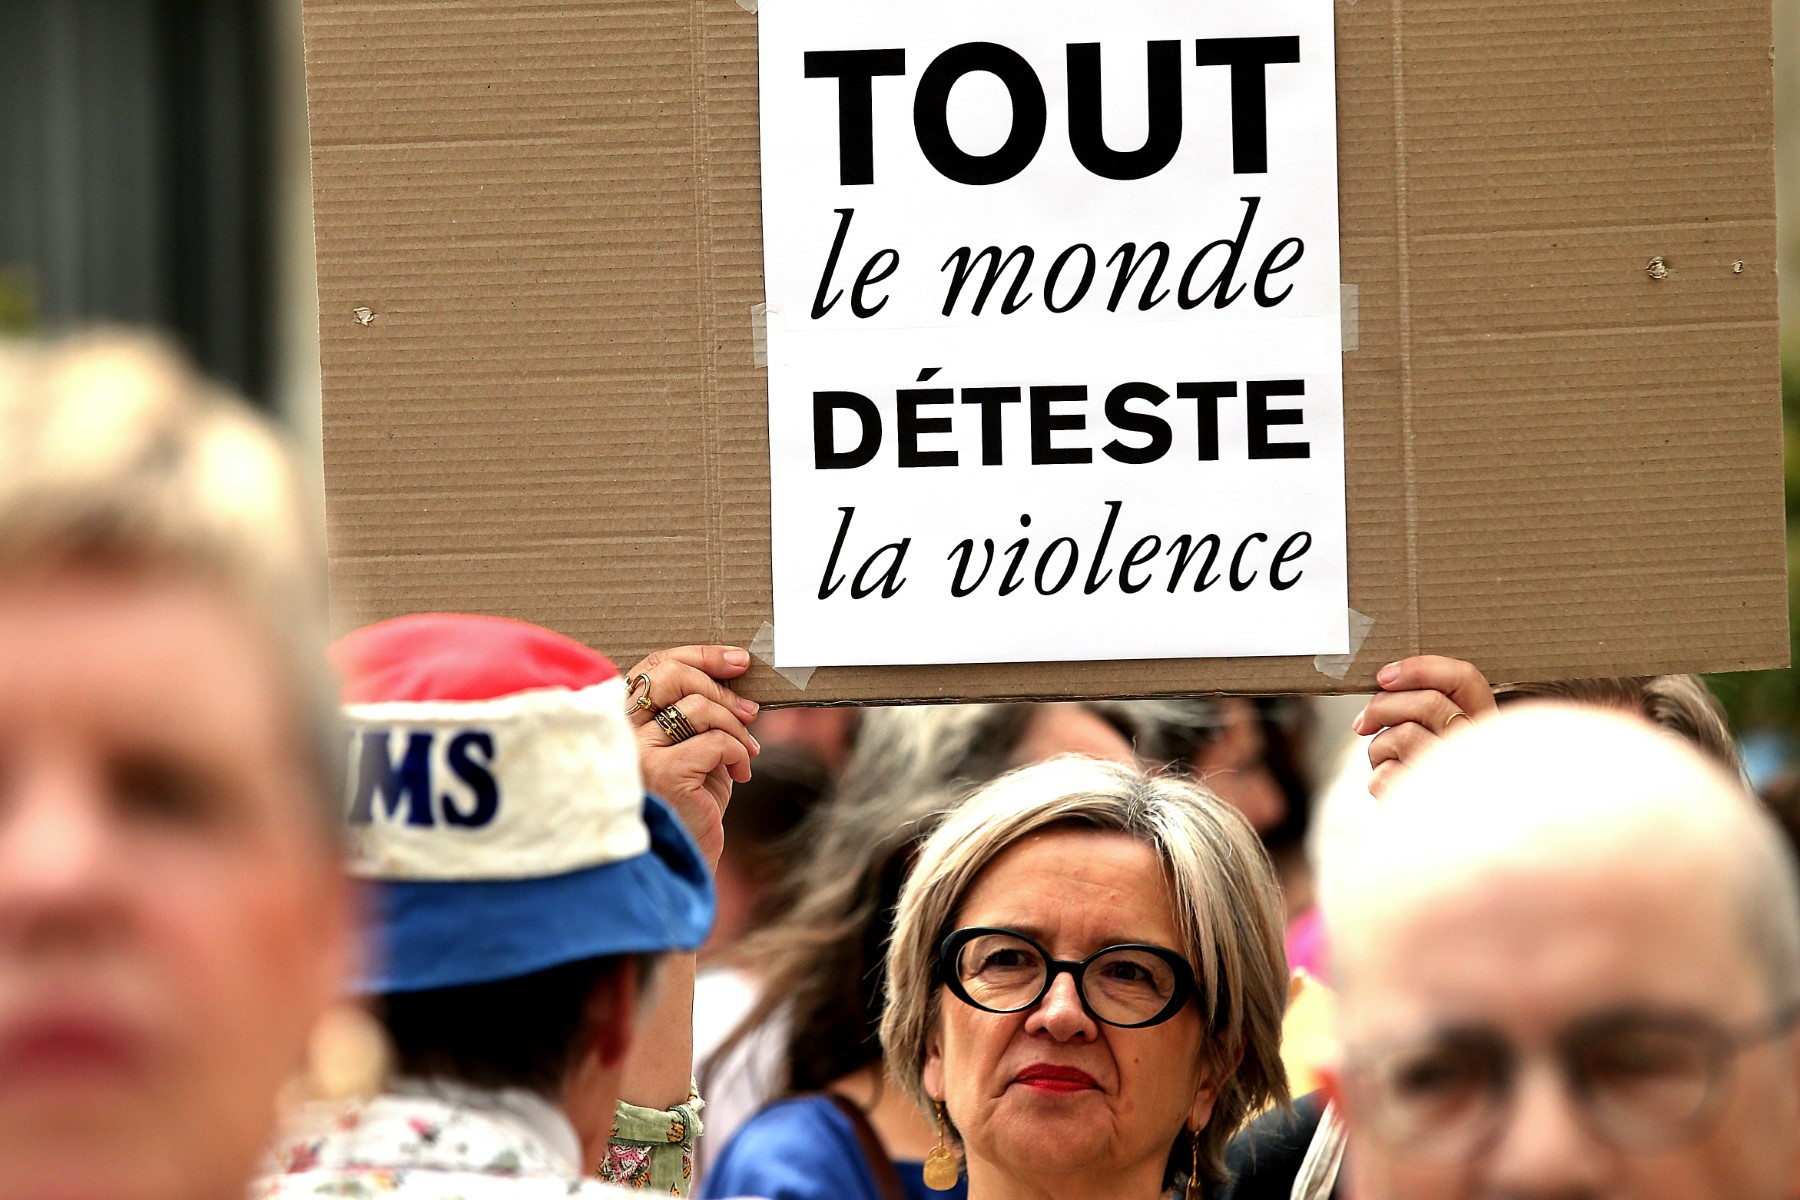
832 1127
1085 986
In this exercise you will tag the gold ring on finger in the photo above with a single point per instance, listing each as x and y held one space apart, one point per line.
674 722
637 690
1452 717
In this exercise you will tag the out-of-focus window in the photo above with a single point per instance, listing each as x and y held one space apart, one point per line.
135 157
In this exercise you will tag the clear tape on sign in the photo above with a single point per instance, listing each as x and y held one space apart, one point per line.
763 646
759 313
1349 314
1336 666
748 6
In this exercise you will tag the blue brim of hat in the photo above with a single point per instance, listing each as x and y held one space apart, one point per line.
451 934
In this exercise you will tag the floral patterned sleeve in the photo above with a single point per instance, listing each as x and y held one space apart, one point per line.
653 1147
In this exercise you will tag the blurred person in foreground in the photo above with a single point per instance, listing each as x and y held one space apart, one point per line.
801 1103
1568 948
173 919
537 910
1085 985
1424 700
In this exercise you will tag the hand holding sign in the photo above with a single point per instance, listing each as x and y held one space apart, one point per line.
1421 696
693 771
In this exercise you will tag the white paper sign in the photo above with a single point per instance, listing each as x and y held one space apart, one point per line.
1054 345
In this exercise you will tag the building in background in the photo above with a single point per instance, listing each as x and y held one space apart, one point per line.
153 173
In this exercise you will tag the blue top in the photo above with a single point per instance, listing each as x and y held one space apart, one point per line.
805 1149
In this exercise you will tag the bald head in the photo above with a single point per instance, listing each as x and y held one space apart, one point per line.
1572 889
1545 793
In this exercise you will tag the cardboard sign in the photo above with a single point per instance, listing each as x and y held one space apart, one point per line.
1054 343
541 266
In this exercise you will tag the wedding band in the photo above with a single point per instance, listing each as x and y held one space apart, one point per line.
673 722
640 701
1458 713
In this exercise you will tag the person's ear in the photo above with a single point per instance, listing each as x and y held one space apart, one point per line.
1212 1082
932 1075
611 1014
1333 1090
1794 1159
1332 1085
1205 1099
335 955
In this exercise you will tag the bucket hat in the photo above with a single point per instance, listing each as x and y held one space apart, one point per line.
495 802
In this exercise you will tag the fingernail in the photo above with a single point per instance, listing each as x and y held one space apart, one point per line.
755 746
1387 674
738 658
747 706
1357 720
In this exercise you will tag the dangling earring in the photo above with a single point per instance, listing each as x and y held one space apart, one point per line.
1193 1183
940 1165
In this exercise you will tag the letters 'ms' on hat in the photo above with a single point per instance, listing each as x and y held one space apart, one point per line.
495 797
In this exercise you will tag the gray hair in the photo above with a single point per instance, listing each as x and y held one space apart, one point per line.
1227 906
115 455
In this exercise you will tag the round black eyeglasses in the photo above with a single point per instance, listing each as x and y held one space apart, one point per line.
1129 986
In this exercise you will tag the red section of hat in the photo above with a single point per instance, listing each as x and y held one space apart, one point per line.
448 656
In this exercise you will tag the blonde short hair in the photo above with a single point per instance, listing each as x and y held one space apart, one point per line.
1679 704
1227 906
115 455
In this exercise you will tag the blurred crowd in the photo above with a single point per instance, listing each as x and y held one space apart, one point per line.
455 908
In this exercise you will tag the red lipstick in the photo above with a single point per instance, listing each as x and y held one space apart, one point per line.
1049 1077
67 1048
